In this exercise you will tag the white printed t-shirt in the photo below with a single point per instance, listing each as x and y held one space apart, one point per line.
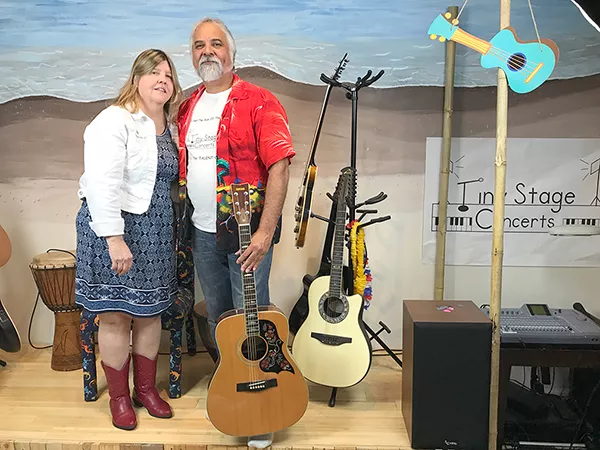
201 142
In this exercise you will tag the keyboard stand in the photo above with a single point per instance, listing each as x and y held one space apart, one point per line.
540 356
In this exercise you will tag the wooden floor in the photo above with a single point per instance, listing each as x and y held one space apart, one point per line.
43 409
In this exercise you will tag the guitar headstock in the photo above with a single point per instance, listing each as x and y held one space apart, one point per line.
344 185
333 81
340 68
240 202
443 27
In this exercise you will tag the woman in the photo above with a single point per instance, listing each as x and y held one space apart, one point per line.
126 268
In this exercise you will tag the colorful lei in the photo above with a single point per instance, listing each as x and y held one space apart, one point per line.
360 264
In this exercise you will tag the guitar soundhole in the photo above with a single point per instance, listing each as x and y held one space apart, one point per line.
333 307
254 348
517 61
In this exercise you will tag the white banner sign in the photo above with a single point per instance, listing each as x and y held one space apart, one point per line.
549 182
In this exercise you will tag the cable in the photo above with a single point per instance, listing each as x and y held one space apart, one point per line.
31 322
587 407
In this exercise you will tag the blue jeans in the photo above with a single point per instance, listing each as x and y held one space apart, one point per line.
221 279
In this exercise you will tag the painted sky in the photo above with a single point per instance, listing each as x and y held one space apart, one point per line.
83 50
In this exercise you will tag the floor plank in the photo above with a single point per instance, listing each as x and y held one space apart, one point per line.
44 410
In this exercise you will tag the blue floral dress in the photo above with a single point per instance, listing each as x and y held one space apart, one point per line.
150 286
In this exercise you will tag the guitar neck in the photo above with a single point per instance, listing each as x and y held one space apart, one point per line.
473 42
337 258
313 148
249 287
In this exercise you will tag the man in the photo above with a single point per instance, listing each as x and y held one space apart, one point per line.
231 131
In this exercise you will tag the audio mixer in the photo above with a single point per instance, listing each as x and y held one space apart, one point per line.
539 324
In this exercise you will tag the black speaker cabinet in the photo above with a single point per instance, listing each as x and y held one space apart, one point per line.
446 357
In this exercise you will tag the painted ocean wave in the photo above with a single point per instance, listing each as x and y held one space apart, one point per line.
83 52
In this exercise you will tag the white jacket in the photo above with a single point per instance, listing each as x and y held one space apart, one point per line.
120 161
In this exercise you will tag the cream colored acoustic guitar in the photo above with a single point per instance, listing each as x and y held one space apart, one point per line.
331 347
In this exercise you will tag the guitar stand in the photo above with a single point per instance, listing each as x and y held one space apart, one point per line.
380 341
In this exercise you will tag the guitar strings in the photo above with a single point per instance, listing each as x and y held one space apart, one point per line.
527 67
507 56
250 338
519 61
532 17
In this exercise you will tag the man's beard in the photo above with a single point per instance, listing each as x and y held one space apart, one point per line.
211 71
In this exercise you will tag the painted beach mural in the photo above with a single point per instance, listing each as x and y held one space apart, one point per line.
62 61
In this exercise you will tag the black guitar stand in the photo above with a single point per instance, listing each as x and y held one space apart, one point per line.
354 208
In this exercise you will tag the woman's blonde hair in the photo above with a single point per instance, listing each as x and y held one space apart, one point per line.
144 64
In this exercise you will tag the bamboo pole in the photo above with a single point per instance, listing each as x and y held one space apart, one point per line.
440 251
498 235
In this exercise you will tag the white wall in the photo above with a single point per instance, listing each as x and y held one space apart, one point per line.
27 214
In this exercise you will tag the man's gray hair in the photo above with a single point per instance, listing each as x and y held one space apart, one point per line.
220 24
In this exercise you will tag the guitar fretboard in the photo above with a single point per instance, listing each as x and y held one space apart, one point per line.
249 287
464 38
337 254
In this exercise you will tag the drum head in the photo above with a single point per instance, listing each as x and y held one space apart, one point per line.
54 259
5 247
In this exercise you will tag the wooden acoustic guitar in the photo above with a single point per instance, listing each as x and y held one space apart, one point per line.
10 341
257 387
331 346
305 193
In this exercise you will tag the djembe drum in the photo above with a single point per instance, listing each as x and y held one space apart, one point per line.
54 275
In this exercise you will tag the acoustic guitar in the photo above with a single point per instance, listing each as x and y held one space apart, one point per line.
527 64
10 341
257 387
305 193
331 346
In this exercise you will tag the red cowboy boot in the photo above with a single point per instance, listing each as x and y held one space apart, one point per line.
123 415
144 392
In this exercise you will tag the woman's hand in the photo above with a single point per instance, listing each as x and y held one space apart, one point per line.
120 255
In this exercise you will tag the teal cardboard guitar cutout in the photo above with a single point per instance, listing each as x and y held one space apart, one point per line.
526 64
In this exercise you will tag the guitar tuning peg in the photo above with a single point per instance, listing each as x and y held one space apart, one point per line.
448 15
433 37
455 22
442 39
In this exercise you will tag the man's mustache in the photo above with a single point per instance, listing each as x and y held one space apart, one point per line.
204 59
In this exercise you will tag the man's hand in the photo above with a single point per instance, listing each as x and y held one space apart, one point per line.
262 238
256 251
120 255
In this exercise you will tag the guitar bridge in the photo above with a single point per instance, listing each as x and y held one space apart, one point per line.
330 339
532 74
256 386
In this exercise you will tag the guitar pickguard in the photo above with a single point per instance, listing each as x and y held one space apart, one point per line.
274 360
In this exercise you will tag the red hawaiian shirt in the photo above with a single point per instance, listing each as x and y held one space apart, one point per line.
253 134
